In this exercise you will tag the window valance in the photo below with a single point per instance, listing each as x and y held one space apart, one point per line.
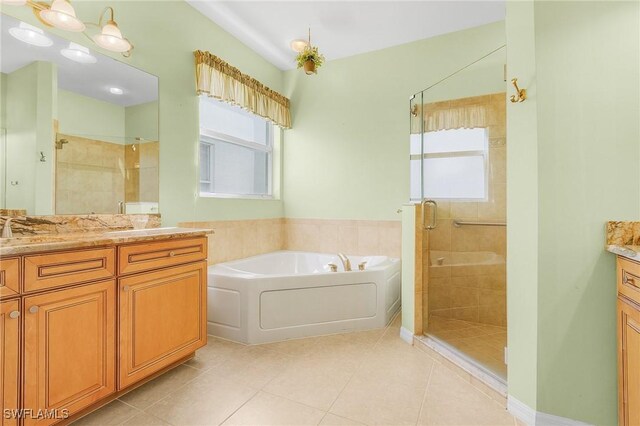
218 79
444 116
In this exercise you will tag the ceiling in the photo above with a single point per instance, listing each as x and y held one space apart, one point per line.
92 80
343 28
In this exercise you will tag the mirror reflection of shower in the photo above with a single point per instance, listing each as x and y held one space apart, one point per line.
458 159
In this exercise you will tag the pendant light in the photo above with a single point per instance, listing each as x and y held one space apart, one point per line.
62 15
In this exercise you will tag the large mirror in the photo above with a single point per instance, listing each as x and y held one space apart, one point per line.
78 129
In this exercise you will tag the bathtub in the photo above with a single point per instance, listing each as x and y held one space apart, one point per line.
287 295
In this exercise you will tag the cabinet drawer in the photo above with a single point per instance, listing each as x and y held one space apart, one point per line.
149 256
68 268
9 277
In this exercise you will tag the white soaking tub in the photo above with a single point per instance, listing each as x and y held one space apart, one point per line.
287 295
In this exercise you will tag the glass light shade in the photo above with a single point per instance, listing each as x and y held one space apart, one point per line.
78 53
14 2
110 38
298 45
31 35
62 15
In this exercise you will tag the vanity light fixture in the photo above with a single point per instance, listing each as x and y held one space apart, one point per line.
31 35
78 53
110 36
116 90
61 14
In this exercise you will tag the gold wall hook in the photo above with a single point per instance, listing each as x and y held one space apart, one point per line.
522 93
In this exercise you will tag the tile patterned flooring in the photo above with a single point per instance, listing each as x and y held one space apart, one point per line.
370 377
483 343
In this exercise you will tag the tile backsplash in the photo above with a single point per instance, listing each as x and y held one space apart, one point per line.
238 239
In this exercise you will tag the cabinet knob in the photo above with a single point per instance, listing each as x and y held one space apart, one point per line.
14 314
172 253
631 281
125 288
33 309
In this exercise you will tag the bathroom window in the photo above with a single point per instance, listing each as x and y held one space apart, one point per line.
236 150
455 165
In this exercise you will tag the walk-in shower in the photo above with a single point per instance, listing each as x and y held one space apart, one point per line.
458 177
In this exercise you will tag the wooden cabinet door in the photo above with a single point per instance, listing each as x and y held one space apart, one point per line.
9 360
162 319
628 363
69 350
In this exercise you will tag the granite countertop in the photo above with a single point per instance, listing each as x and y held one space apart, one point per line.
630 252
49 242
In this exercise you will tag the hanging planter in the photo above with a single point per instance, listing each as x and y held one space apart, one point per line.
310 59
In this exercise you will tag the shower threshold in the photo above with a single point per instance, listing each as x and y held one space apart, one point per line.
464 362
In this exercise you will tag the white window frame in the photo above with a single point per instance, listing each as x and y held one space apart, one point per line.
209 136
453 154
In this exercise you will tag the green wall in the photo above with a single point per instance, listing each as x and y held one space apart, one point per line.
141 121
347 156
90 118
30 96
580 171
522 208
165 34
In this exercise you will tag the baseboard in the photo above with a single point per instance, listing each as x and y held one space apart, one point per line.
406 335
531 417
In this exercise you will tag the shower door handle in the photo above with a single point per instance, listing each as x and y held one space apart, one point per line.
434 215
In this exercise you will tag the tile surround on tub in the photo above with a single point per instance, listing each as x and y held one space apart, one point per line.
238 239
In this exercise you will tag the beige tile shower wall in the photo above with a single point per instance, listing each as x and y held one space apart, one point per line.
237 239
89 176
141 163
474 292
243 238
357 237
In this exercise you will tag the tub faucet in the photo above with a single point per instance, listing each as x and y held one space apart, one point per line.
346 263
6 229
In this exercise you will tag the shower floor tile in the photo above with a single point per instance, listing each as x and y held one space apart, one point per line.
481 342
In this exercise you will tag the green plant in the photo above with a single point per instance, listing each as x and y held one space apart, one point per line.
310 53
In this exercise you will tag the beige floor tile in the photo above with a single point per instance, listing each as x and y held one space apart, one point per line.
113 413
314 381
208 400
267 409
293 347
155 390
254 366
214 353
145 419
394 360
333 420
374 402
450 400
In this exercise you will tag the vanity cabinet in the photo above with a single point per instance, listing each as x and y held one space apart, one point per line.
79 327
162 319
9 359
69 349
628 342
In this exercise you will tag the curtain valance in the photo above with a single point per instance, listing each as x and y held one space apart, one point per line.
441 116
218 79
